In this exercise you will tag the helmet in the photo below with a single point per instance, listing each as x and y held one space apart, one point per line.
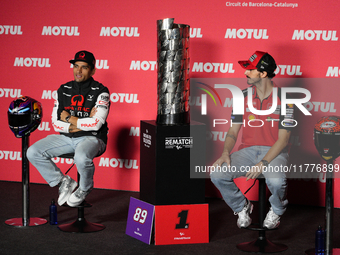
327 137
24 116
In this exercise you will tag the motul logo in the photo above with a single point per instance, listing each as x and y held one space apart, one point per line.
213 67
13 30
49 94
56 30
32 62
143 65
333 71
119 31
134 131
195 33
13 93
242 33
44 126
124 97
118 163
288 70
325 35
10 155
100 64
320 106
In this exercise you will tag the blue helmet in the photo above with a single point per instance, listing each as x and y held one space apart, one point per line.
24 116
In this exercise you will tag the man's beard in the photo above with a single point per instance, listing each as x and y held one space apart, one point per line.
253 81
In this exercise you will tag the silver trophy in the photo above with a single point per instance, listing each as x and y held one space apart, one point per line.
173 86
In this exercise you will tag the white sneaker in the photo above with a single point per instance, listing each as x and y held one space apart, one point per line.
66 188
272 220
244 219
77 197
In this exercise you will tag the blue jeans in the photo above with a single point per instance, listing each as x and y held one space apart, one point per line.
241 161
85 148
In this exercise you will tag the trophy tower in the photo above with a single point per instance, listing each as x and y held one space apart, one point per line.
173 85
172 145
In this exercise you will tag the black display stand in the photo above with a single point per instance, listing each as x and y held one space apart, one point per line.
25 221
168 156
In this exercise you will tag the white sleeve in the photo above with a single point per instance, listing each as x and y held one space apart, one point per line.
58 125
95 123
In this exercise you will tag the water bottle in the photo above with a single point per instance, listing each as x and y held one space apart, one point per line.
320 241
53 213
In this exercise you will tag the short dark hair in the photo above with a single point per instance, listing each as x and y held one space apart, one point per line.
270 75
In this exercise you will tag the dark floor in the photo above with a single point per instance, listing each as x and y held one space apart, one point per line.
110 208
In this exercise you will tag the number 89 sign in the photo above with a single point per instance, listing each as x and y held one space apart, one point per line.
140 220
140 215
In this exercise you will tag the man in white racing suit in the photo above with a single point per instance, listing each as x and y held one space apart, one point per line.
79 115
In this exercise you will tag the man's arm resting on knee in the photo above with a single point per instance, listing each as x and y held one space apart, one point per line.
229 143
279 145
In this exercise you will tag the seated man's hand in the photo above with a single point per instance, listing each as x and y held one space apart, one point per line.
255 171
63 115
225 158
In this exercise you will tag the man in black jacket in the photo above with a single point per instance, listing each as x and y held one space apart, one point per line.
79 115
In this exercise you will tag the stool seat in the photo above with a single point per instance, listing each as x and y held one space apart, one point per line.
261 244
83 204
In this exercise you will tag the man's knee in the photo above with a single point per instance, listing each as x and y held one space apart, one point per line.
220 176
276 183
82 160
32 152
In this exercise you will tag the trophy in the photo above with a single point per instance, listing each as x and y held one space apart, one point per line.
173 86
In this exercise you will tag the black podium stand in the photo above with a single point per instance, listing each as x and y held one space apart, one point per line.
25 221
168 156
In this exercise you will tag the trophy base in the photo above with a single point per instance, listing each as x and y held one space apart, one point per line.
173 119
168 156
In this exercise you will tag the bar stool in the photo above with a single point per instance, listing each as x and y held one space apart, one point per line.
261 244
80 225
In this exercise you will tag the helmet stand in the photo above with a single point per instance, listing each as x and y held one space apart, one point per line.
326 140
25 221
329 206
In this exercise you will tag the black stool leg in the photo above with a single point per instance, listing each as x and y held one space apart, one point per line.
81 225
262 244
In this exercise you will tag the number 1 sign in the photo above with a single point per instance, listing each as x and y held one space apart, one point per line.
181 224
140 220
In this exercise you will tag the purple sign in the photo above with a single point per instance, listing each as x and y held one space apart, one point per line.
140 220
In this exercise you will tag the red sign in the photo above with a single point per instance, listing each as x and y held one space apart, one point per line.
181 224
